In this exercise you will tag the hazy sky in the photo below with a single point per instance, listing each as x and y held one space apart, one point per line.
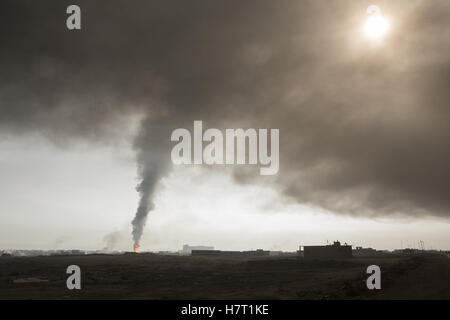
56 198
85 116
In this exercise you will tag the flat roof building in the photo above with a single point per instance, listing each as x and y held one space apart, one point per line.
328 252
220 253
187 249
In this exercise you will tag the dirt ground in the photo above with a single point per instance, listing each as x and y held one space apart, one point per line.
148 276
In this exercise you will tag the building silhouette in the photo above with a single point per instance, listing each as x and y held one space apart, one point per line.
333 251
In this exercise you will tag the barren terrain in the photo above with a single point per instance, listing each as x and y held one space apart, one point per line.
149 276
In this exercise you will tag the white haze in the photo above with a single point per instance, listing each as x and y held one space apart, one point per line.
55 198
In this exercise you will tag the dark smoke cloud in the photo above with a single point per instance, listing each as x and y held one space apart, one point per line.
363 130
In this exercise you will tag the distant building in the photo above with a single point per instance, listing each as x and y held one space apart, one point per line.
220 253
257 252
187 249
211 253
334 251
168 253
410 251
77 252
364 252
276 253
282 253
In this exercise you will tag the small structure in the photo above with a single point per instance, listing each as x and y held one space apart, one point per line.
328 252
410 251
77 252
187 249
220 253
364 252
212 253
257 252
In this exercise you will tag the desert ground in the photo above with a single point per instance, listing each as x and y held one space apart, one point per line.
151 276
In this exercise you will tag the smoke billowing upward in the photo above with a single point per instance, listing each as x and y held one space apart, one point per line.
111 240
153 163
146 189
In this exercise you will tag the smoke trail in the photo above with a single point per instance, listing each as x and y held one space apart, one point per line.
146 189
153 144
111 240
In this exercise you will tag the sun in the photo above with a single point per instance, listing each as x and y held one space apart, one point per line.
376 25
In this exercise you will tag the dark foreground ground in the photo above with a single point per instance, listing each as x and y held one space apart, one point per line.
147 276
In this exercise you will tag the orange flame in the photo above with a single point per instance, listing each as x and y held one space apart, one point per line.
136 249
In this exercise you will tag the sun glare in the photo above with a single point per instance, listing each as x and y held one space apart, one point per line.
376 25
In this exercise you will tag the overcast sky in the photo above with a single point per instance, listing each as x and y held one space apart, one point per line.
86 116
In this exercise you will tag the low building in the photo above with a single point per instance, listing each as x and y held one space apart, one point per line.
168 253
211 253
257 252
328 252
220 253
410 251
77 252
187 249
364 252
